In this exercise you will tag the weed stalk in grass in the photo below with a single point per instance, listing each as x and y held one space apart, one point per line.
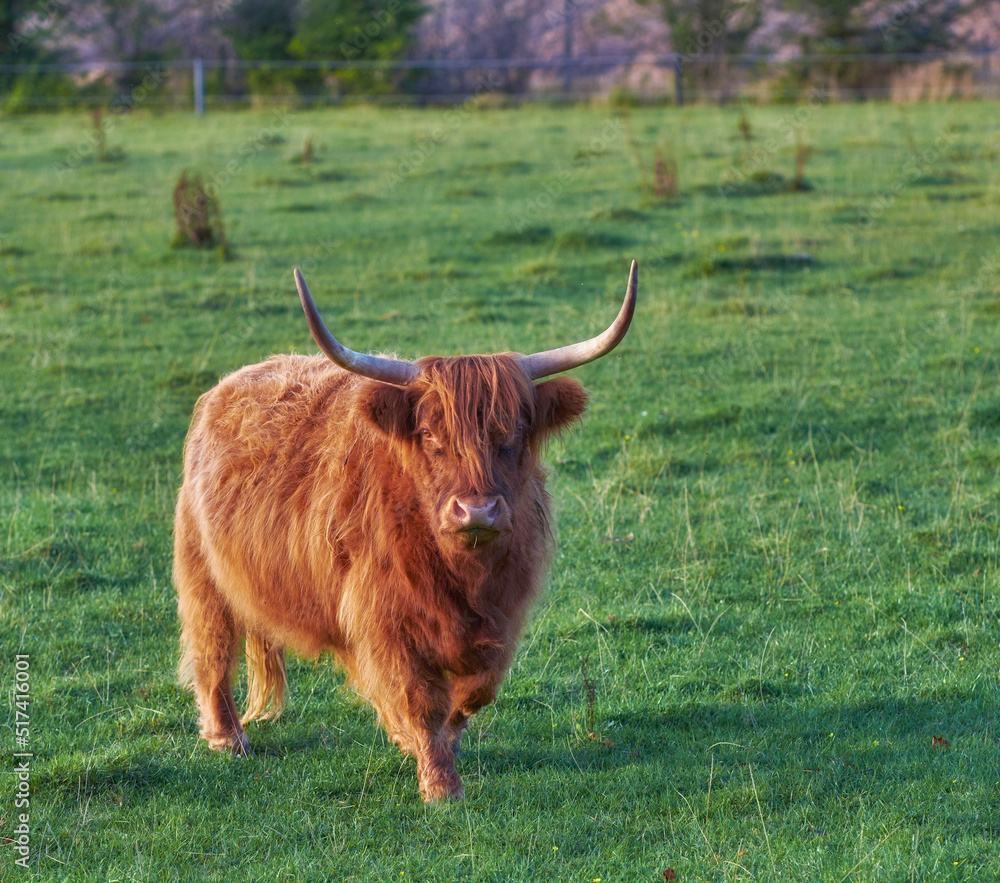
591 695
99 135
662 180
664 175
307 154
744 126
799 182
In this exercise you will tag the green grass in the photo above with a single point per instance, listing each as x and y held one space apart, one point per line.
779 534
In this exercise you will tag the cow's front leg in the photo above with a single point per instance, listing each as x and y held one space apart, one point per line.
426 699
469 693
413 698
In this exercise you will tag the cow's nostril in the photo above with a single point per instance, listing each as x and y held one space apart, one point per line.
476 511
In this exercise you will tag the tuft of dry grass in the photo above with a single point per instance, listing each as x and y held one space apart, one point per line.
197 214
662 180
799 182
744 126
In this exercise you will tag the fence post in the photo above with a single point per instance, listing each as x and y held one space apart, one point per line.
568 47
199 86
678 79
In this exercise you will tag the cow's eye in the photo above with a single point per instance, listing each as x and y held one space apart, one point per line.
431 444
507 449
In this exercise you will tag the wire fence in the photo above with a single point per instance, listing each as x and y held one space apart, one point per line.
201 84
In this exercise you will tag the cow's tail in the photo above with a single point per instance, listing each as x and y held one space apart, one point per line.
266 680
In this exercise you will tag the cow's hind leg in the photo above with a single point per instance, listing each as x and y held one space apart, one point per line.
210 641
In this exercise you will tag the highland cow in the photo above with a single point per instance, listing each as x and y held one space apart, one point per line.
393 513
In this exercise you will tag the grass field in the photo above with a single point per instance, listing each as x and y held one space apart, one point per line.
769 645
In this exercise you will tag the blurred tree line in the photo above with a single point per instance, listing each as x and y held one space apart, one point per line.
34 33
338 30
860 41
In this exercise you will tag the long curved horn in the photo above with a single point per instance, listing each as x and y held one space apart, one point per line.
549 362
396 371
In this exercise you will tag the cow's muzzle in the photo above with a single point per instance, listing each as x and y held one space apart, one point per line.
478 520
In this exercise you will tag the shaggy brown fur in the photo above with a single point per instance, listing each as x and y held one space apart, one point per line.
404 529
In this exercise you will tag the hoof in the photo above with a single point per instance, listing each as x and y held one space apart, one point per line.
241 747
236 744
442 789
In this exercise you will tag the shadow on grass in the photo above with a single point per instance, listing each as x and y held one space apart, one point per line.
901 754
136 777
874 748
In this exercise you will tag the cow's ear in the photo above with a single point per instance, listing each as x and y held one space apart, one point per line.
389 409
558 403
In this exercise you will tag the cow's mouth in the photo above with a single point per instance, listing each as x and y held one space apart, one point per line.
478 536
